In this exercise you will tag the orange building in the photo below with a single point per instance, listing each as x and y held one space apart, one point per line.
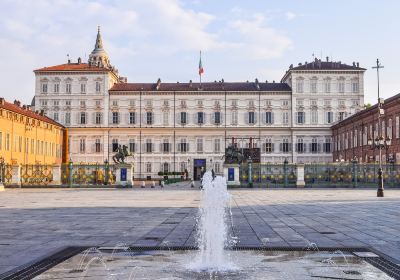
28 137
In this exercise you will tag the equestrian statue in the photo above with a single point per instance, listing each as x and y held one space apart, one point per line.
121 154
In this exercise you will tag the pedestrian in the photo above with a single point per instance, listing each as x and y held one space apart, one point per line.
192 184
153 184
162 184
143 185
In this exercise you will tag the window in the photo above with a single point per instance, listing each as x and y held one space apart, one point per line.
67 118
149 118
132 145
342 103
183 103
285 117
149 146
132 117
299 102
55 116
268 146
355 102
268 102
342 116
200 117
217 167
114 145
341 86
329 117
397 127
354 86
301 116
98 103
314 146
132 102
68 103
234 103
327 85
313 85
149 103
97 146
314 116
285 103
313 102
115 118
285 145
327 102
217 145
56 88
82 146
327 145
82 118
68 88
148 167
166 103
165 167
251 118
182 166
300 147
199 145
183 146
217 117
269 118
44 103
183 119
299 85
82 103
166 118
98 87
44 87
234 120
165 146
115 103
83 88
56 103
98 118
7 142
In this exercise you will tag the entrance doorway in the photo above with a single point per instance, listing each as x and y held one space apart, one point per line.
199 165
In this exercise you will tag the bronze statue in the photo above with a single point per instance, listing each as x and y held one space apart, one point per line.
233 155
121 154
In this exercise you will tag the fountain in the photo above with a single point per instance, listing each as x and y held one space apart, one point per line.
215 258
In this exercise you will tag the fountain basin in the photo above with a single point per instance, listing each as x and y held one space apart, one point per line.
250 263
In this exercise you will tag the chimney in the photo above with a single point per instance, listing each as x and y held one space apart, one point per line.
327 59
354 64
2 101
190 83
17 103
158 84
222 80
24 107
79 60
41 112
358 64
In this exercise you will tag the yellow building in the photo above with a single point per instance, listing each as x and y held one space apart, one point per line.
28 137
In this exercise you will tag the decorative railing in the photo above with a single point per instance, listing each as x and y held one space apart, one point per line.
36 175
268 175
87 174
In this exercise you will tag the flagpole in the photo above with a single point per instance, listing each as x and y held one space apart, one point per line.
199 71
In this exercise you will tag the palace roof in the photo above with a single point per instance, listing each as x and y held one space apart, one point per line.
73 67
26 111
207 86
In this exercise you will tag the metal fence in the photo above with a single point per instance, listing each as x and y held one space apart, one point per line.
268 175
350 175
36 175
5 173
87 174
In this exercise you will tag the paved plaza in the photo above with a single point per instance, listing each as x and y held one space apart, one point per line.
37 222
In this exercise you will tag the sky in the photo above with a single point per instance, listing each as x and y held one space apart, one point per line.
240 40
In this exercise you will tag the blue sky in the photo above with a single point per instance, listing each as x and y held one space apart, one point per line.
241 40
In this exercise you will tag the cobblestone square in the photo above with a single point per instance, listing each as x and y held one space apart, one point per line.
37 222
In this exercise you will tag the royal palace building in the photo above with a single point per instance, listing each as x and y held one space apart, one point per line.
178 126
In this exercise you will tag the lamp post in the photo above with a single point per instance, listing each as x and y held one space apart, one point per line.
380 143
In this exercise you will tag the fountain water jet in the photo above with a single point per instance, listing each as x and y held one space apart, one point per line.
212 227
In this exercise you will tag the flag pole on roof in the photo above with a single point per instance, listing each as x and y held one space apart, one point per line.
201 70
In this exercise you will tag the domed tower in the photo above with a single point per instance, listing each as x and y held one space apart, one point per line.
99 57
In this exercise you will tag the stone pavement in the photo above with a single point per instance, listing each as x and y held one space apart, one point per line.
36 222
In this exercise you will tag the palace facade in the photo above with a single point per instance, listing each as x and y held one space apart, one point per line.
178 126
28 137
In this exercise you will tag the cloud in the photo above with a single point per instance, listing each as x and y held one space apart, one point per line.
290 15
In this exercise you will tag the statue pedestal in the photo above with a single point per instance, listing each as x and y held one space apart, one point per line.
300 183
231 173
124 174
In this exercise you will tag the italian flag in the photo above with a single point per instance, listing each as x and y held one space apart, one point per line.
201 70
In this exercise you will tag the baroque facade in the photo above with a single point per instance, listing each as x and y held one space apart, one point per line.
178 126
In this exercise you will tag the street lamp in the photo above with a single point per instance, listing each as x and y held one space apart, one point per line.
380 143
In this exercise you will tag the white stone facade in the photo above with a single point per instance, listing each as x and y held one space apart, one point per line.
103 111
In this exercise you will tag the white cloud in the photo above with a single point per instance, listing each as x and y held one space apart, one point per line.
290 15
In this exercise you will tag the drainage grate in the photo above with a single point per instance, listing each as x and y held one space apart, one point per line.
33 269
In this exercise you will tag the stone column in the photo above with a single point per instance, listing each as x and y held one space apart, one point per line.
56 175
300 183
16 176
123 175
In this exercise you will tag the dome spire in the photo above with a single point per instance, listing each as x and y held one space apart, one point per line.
99 57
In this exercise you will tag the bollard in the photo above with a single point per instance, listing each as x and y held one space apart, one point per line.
192 184
143 184
153 184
